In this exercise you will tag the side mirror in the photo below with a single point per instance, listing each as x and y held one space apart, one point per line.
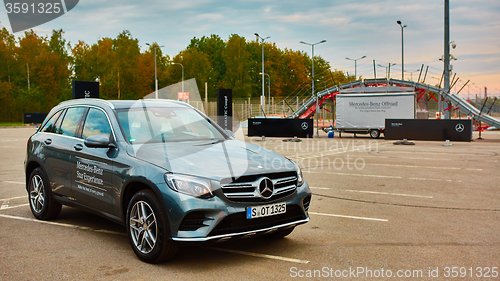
99 141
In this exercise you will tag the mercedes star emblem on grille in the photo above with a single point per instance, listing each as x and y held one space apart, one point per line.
266 188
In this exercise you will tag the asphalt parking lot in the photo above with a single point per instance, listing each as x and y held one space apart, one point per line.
413 211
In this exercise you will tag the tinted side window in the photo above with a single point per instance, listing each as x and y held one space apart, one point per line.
70 122
58 123
96 124
50 126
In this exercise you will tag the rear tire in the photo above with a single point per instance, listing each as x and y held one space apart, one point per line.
42 204
148 229
374 134
280 233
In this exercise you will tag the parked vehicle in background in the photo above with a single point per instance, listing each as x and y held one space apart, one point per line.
366 113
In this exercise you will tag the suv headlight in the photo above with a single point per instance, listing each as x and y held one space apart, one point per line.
300 178
193 186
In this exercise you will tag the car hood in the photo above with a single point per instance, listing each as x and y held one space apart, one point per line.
211 159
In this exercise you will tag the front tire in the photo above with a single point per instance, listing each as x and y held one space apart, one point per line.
374 134
42 205
148 228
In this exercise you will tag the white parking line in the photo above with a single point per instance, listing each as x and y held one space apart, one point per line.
426 179
357 175
25 196
4 207
256 255
348 217
385 193
429 167
63 224
14 182
377 176
375 192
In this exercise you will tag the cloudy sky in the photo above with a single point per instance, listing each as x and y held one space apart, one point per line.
352 29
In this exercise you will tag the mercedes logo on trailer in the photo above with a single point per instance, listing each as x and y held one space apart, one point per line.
266 188
459 127
304 125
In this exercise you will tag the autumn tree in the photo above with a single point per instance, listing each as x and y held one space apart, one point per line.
7 65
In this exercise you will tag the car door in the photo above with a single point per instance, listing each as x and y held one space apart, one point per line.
93 167
58 137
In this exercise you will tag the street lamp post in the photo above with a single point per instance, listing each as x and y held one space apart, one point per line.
268 92
156 74
411 73
312 87
402 51
182 77
388 69
262 99
356 66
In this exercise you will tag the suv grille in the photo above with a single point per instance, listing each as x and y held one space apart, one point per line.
246 188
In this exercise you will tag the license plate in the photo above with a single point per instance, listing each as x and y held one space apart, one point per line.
266 210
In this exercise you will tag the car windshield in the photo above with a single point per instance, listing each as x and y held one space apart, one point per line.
166 124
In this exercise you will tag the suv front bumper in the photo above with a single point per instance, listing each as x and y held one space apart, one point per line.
199 220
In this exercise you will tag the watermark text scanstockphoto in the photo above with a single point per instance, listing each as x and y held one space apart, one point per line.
365 272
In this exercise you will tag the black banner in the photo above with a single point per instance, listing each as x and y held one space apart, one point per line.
225 108
276 127
428 129
35 118
84 90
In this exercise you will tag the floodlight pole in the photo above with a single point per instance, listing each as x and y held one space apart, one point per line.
156 74
182 77
356 66
263 97
446 87
402 51
312 87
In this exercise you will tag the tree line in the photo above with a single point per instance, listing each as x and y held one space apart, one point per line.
36 71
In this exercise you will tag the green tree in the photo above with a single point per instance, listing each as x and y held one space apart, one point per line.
213 47
236 59
127 53
196 65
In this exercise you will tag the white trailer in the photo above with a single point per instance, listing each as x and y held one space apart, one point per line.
366 113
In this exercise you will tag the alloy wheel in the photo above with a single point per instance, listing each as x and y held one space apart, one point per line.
143 227
37 193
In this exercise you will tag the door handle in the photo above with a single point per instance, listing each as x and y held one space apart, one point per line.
78 147
48 141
